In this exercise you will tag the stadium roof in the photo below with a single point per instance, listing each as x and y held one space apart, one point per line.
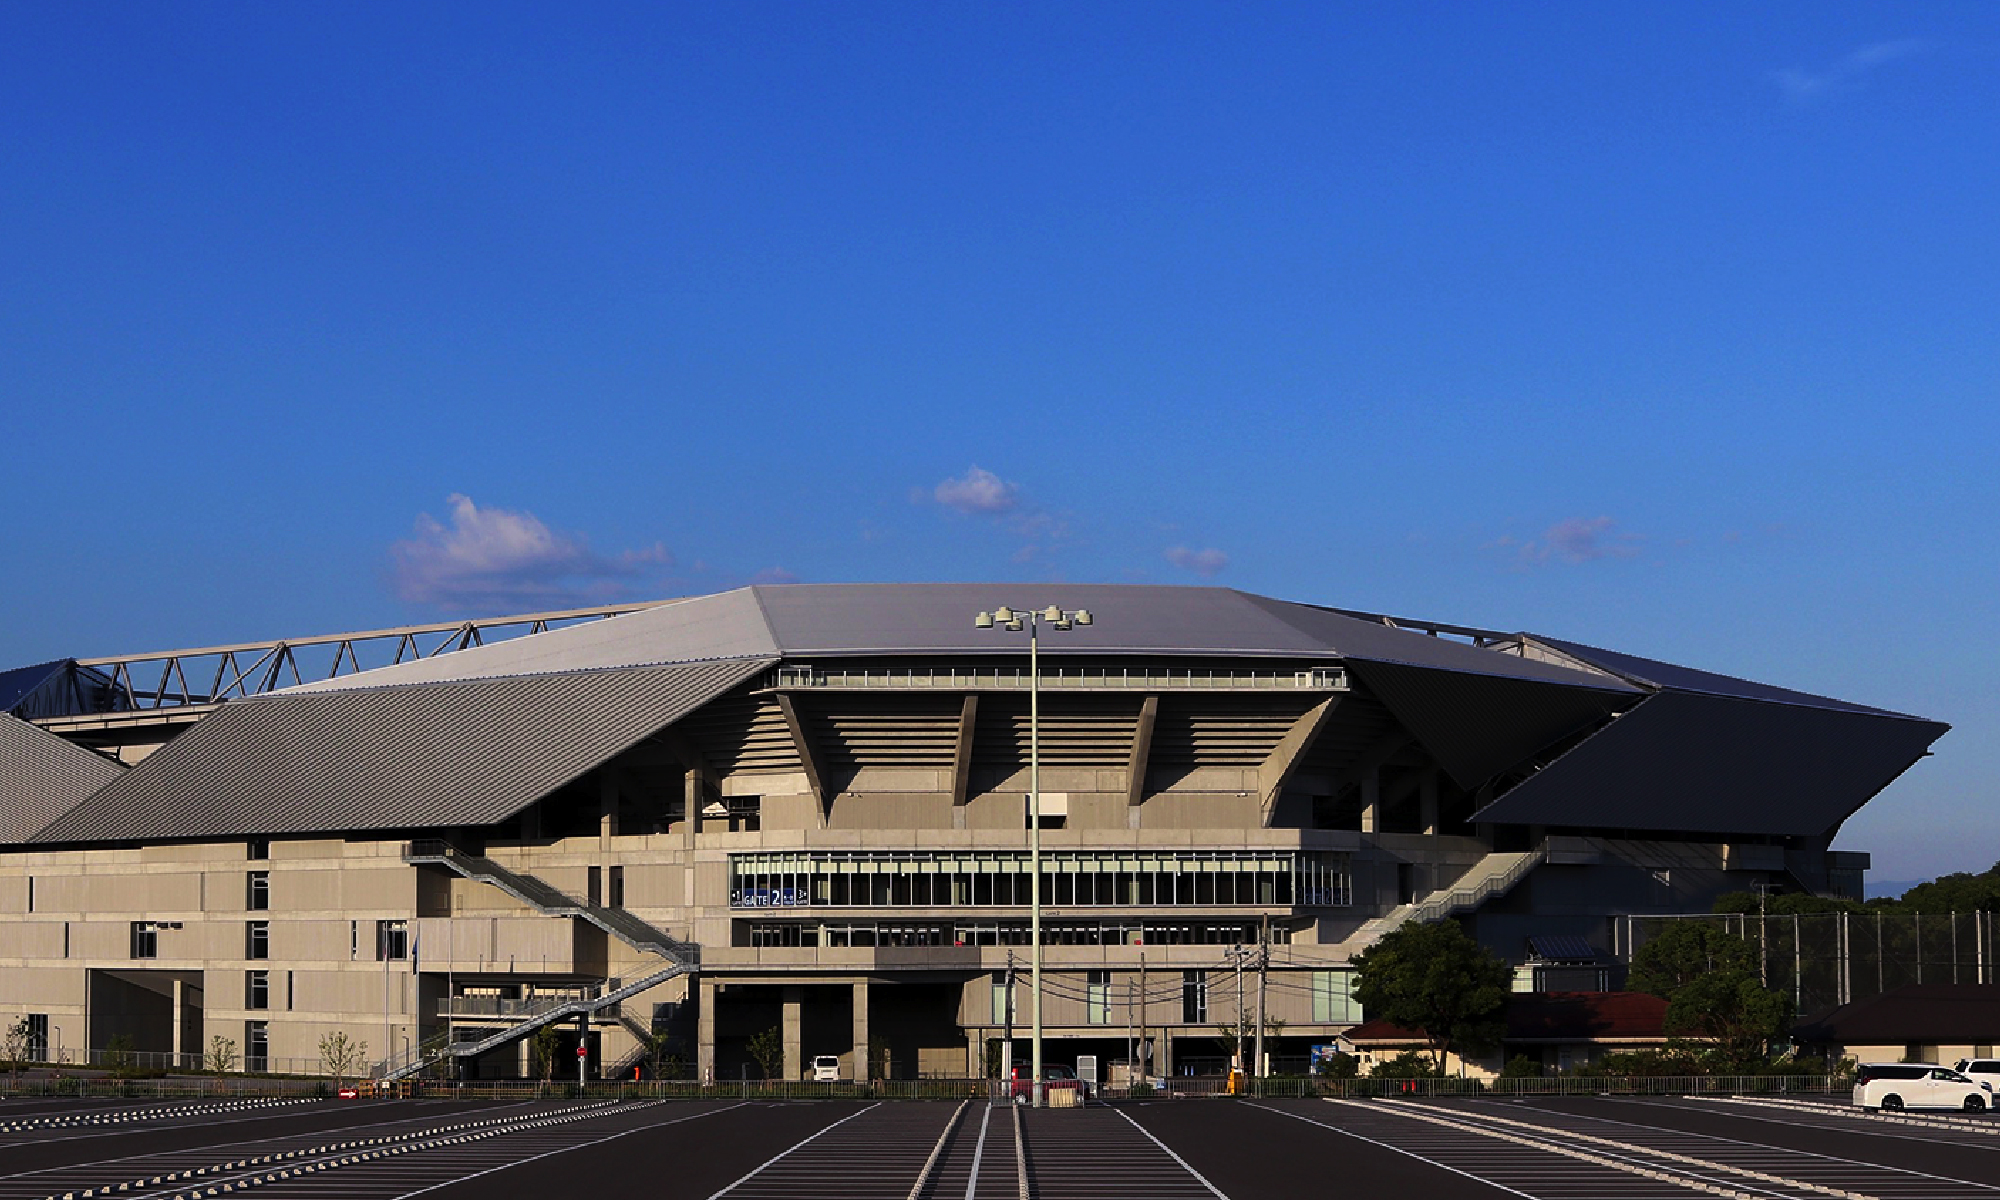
42 777
800 621
472 736
470 753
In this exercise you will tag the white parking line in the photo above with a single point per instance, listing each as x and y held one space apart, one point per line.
1203 1179
800 1144
1399 1150
1784 1152
978 1153
566 1149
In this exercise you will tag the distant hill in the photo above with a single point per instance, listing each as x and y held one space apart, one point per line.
1891 888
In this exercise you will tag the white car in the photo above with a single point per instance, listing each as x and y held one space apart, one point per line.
1980 1070
826 1069
1896 1086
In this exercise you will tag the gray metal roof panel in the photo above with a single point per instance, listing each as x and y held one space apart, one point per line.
1354 638
1686 762
43 777
459 753
929 618
1691 679
723 626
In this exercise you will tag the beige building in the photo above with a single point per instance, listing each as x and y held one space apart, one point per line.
801 812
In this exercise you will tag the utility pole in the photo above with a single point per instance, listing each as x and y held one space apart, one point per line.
1146 1068
1263 962
1239 954
1007 1041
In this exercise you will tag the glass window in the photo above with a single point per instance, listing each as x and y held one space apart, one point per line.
257 940
1333 998
38 1037
1097 997
257 989
258 848
1003 996
1194 997
259 893
256 1046
392 940
145 939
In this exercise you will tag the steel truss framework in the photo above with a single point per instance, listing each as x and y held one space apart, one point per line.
207 675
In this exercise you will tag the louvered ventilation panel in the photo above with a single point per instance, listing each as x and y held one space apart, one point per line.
743 733
1077 731
1222 731
883 731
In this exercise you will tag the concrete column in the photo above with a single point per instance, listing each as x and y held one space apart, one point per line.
607 805
692 806
861 1030
1371 802
705 1035
794 1033
1428 798
180 1020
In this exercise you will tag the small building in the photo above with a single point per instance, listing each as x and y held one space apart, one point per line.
1924 1022
1563 1030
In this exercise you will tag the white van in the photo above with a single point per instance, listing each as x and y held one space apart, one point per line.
1980 1070
1896 1086
826 1069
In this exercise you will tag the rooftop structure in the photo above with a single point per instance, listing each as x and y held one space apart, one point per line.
801 807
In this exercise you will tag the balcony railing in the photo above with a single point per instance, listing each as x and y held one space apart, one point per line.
1143 679
502 1007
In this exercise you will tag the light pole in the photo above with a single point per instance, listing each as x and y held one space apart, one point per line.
1014 621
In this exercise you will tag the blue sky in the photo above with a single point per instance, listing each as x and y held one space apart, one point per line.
1669 328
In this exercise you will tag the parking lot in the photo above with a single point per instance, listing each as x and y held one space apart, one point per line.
1568 1148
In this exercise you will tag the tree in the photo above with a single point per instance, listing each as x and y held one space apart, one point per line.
1339 1065
1684 952
15 1043
341 1055
768 1048
221 1056
1435 980
1733 1013
542 1052
1709 979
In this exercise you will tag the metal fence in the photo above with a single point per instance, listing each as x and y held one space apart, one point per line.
1179 1087
1826 959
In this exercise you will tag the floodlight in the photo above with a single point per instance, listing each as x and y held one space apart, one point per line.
1004 615
983 621
1081 616
1053 614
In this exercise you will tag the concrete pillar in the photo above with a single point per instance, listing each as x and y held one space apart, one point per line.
861 1030
1371 802
794 1024
691 789
705 1036
180 1020
1427 795
607 805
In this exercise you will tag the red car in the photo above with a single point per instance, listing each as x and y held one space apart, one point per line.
1053 1078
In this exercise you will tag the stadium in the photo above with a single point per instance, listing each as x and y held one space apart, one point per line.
800 816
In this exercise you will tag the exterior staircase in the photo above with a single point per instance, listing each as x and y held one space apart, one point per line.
680 957
1494 875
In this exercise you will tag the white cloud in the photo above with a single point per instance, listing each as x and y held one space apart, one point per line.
497 558
1801 86
1207 563
1578 540
978 491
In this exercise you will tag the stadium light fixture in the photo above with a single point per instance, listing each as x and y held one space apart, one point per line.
1014 621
